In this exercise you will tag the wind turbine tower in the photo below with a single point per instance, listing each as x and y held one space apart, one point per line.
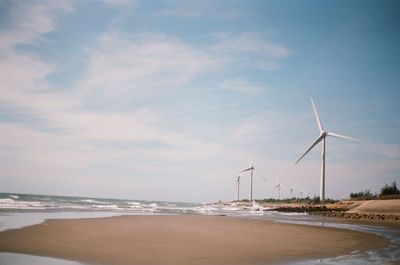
251 169
238 187
278 186
322 136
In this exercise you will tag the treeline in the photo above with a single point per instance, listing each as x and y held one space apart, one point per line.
389 191
305 200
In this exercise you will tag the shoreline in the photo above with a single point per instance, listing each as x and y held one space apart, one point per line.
180 239
368 211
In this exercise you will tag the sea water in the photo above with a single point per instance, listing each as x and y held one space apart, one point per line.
388 255
20 210
22 259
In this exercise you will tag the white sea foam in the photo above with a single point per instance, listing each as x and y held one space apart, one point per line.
133 203
109 207
6 201
220 209
153 205
93 201
73 207
9 203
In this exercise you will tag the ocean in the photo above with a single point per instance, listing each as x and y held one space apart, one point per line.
20 210
48 203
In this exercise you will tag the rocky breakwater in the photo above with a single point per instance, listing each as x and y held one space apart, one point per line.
309 208
381 210
358 216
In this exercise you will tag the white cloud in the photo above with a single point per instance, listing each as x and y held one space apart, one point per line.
263 126
241 85
68 139
198 9
250 43
31 19
139 65
121 3
251 50
23 75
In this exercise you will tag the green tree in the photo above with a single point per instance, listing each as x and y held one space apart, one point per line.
390 189
361 194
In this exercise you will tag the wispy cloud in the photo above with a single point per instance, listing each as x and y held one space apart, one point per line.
24 74
241 85
121 3
249 48
139 65
198 9
30 20
250 43
68 134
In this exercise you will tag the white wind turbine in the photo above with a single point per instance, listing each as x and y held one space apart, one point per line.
301 192
278 186
238 187
321 137
251 169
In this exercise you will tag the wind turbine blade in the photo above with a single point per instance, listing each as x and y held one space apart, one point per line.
316 115
250 168
247 169
341 136
311 147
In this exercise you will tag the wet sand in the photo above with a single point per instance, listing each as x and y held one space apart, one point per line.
154 240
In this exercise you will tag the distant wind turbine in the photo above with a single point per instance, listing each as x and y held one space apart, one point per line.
278 186
321 137
238 187
251 169
301 192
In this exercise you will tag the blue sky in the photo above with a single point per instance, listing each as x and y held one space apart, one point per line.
169 100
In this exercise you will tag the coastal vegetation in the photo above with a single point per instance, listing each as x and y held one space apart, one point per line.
390 189
305 200
362 194
387 192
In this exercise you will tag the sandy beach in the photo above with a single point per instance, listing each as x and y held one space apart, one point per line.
178 240
376 207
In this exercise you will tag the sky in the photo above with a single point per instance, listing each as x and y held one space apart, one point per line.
170 100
